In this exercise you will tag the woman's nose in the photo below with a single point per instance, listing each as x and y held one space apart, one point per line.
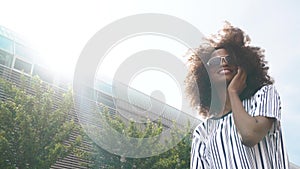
223 61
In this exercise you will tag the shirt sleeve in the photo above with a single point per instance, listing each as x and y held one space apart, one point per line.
198 149
267 103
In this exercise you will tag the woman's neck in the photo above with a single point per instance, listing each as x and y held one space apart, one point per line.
223 103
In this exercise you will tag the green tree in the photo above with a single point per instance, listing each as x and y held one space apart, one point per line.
35 128
176 157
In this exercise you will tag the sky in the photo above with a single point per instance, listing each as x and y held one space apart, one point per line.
59 30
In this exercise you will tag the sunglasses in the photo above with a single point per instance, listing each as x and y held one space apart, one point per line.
217 61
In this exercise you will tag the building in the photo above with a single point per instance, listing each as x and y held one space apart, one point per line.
18 59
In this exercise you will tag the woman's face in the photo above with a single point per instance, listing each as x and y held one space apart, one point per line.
221 66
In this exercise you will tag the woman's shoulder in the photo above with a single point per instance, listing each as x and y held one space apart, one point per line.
201 126
265 102
205 127
266 89
200 129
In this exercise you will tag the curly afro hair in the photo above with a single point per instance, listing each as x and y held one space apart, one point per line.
236 42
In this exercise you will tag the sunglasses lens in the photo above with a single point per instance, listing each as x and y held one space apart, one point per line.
216 61
228 59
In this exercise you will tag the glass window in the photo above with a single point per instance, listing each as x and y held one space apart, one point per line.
6 44
23 51
103 87
22 66
43 73
5 59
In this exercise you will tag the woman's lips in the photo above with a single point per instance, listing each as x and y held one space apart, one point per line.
225 71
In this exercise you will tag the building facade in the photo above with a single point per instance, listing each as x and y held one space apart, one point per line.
18 59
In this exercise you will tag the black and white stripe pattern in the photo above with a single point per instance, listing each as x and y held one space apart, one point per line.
217 144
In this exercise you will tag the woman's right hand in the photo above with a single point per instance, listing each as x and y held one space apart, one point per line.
238 83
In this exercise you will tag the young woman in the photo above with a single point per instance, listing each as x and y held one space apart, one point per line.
229 84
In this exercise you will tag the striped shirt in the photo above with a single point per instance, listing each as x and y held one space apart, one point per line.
217 144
